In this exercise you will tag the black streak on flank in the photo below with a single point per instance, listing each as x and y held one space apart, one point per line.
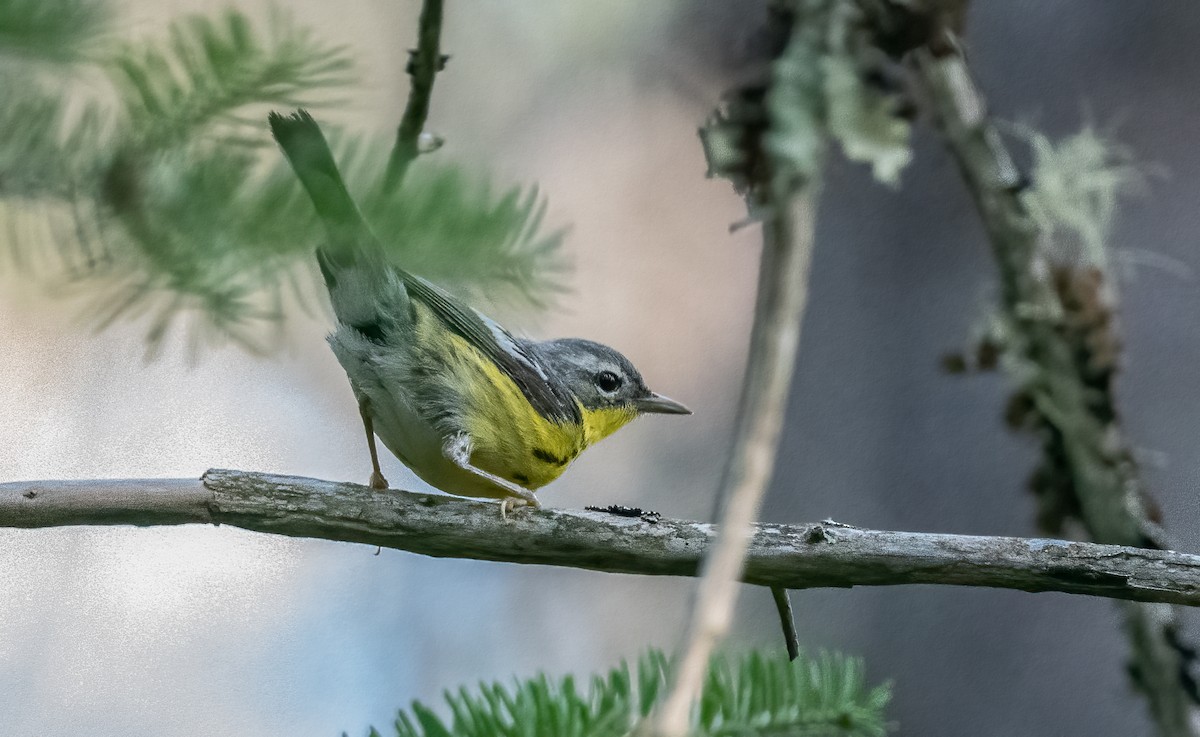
547 457
371 331
521 479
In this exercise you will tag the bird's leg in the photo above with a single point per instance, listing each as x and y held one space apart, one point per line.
377 479
457 449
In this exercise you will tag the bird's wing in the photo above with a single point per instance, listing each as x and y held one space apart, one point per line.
548 394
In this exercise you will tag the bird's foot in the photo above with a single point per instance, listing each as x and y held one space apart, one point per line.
513 503
378 482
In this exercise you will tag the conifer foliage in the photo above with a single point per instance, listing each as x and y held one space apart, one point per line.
754 695
140 175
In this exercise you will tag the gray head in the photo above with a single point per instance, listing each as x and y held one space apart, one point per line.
601 378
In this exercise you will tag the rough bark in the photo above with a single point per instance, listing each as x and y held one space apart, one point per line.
823 554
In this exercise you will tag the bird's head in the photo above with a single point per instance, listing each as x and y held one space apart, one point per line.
609 388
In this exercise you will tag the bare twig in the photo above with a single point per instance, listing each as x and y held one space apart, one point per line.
774 340
1096 463
423 65
787 621
768 140
789 556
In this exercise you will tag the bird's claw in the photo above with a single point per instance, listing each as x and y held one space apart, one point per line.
513 503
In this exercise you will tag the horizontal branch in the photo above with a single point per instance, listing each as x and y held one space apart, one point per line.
814 555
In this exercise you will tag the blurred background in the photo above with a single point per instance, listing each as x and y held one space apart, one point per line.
207 631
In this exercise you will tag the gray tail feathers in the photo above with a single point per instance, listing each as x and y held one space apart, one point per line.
308 152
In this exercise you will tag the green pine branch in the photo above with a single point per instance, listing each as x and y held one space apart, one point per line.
51 31
174 208
209 70
455 228
754 695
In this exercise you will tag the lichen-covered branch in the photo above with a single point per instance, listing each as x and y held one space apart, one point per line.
1086 453
825 554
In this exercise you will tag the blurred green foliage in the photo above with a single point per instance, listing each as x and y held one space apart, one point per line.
141 176
57 31
754 695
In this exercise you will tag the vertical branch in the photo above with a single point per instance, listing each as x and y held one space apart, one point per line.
782 294
423 65
1092 458
770 140
787 621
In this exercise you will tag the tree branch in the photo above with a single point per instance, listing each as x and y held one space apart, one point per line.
423 65
1096 464
825 554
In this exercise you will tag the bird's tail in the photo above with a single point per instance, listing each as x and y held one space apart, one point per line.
308 152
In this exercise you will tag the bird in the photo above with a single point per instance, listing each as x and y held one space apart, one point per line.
469 407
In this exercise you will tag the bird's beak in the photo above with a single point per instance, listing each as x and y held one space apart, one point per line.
658 404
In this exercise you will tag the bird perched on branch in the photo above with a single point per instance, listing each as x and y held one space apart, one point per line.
470 408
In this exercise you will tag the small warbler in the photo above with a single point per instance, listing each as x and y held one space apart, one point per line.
470 408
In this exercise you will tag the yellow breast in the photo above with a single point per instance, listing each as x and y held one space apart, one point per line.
515 442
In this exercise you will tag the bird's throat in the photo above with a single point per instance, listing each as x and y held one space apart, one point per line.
600 423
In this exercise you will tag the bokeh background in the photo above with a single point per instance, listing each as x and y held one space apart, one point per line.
206 631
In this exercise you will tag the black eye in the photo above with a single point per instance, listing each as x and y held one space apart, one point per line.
608 382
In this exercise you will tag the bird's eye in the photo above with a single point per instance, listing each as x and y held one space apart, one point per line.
608 382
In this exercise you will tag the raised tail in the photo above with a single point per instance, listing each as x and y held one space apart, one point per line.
308 152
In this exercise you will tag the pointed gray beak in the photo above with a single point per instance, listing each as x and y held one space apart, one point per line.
658 404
